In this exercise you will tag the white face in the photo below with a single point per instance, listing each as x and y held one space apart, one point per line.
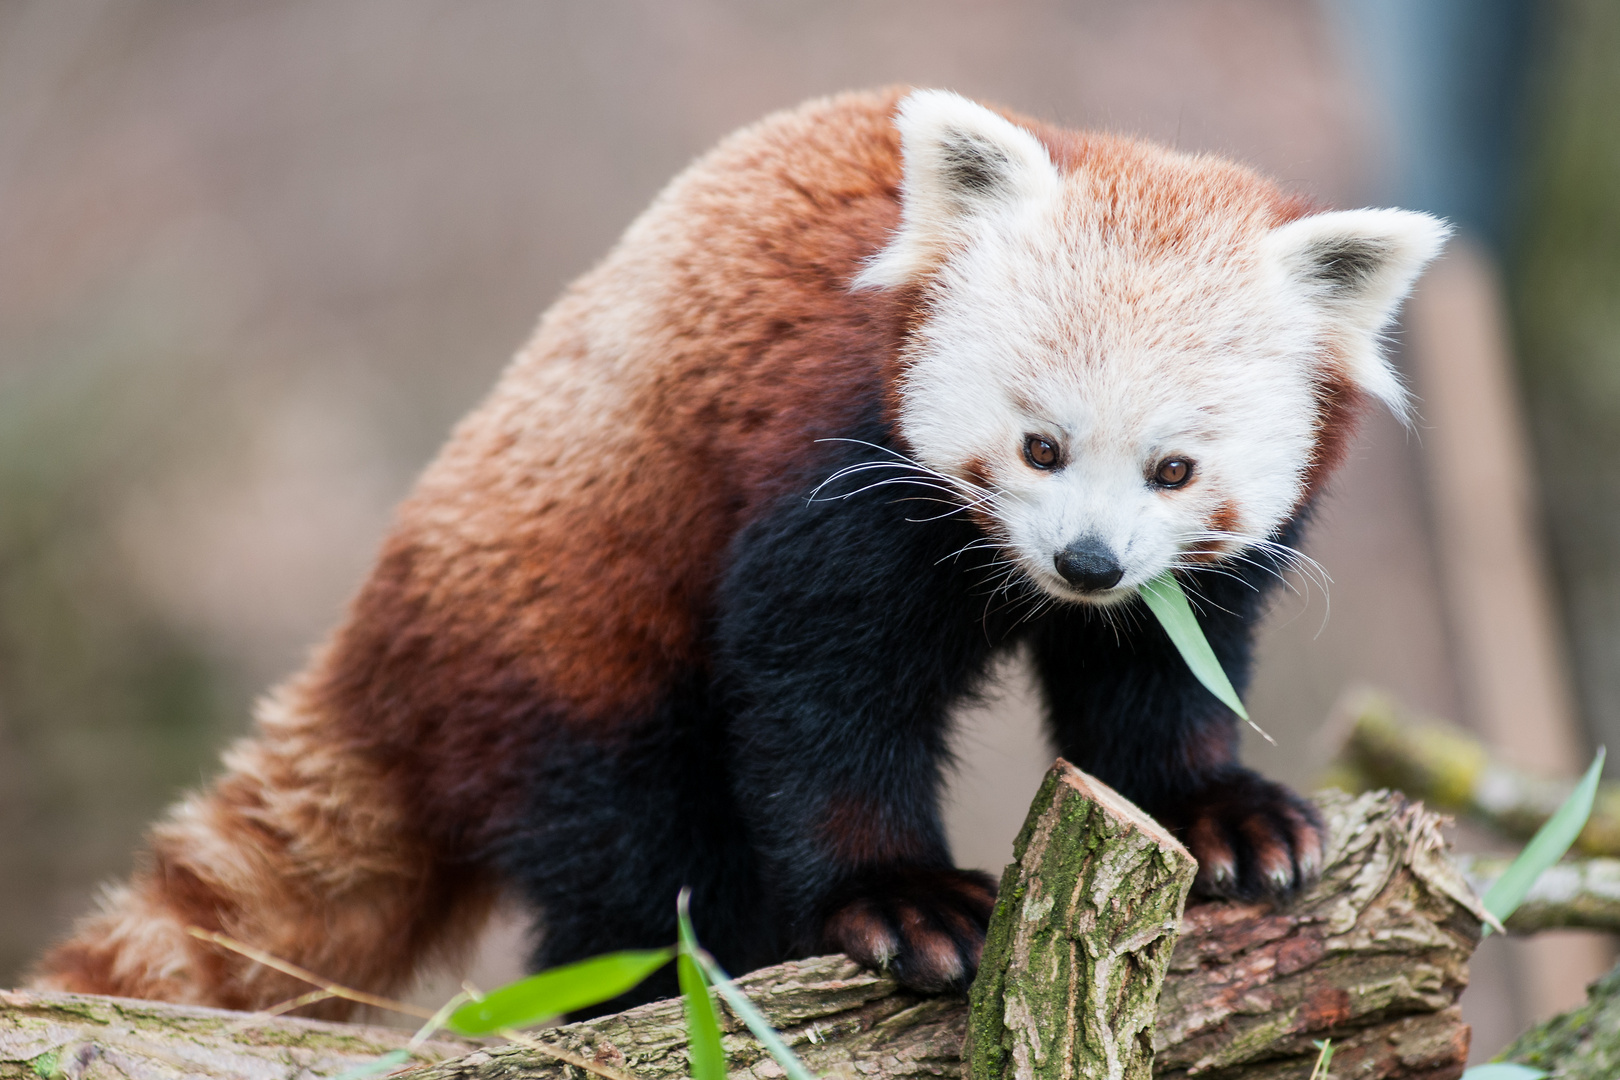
1131 411
1124 404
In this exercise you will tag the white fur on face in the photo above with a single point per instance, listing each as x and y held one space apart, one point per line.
1046 318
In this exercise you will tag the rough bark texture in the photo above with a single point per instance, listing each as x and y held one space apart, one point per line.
1582 894
44 1036
1582 1044
1374 956
1452 771
1089 914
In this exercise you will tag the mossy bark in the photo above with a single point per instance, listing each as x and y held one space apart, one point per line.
1082 935
1582 1044
1373 956
1453 771
1582 894
44 1036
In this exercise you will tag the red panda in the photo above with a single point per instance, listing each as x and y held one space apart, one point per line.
880 387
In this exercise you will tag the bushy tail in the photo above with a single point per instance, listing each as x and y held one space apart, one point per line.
300 849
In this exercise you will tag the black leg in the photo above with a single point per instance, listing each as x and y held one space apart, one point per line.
615 830
845 631
1125 707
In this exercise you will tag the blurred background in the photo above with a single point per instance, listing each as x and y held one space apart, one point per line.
256 257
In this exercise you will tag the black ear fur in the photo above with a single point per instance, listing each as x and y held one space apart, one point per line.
1345 264
974 167
960 160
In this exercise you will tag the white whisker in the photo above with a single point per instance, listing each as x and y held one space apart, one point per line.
1280 560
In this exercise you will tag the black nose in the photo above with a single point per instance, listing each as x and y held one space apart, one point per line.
1088 565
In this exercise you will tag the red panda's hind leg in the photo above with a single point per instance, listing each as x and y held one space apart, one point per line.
617 831
300 849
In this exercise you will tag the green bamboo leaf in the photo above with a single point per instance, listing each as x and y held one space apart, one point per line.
557 991
767 1035
1165 598
1544 848
375 1067
708 1057
1324 1058
1504 1071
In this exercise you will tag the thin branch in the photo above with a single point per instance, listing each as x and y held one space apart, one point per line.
1582 894
1451 770
434 1019
359 997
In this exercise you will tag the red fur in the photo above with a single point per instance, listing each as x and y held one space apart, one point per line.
1341 404
555 564
858 833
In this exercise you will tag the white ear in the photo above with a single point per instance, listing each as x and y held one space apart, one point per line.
1357 266
961 160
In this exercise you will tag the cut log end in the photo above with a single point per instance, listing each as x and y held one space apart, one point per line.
1116 807
1080 940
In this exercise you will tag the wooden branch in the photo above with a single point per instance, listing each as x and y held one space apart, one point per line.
1078 947
1374 956
48 1035
1452 771
1583 894
1582 1044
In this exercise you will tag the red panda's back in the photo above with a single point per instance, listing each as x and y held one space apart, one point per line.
555 563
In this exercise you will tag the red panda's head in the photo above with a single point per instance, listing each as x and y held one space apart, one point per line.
1130 352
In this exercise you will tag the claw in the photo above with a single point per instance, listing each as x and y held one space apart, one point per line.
925 927
1252 838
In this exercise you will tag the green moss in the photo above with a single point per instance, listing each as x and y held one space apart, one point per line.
46 1065
1582 1044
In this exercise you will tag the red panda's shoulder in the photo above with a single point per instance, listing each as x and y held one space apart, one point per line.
723 320
569 534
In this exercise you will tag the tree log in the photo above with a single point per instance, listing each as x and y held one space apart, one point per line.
1452 771
1373 956
1582 894
1582 1044
1090 910
44 1036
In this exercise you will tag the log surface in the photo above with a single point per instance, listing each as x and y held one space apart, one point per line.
44 1036
1373 956
1582 1044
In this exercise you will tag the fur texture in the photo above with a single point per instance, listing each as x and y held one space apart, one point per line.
686 601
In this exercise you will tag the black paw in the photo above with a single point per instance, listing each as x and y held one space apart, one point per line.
1252 838
924 927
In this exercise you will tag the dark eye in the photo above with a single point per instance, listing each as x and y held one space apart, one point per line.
1173 472
1040 451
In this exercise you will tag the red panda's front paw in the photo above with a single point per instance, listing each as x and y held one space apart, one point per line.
923 926
1252 838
